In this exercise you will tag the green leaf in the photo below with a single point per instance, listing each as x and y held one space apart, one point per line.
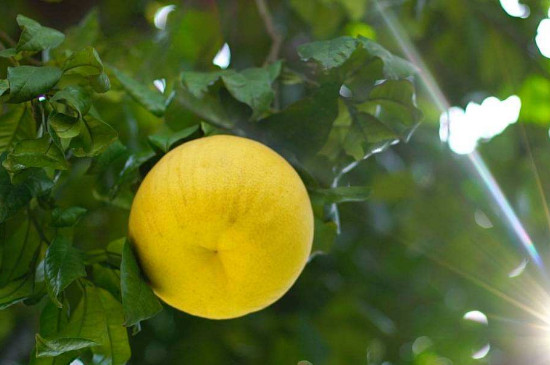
208 107
392 102
8 52
394 67
131 168
75 97
100 83
138 301
198 82
16 291
253 87
15 195
12 197
86 61
342 194
67 217
15 125
35 37
63 264
367 136
152 100
167 138
41 152
52 320
56 347
115 151
95 136
304 126
98 317
329 54
64 125
28 82
4 86
337 52
19 243
107 277
323 237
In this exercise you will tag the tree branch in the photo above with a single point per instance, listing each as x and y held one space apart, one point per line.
275 36
7 39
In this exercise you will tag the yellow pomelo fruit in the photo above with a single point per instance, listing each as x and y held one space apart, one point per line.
222 227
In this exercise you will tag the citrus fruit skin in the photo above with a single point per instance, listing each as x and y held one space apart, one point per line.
222 227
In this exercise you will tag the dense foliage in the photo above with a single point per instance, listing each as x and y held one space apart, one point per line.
91 98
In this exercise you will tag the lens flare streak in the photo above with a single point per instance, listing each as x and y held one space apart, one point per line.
514 223
439 99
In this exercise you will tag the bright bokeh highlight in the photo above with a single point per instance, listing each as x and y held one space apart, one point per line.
223 57
476 316
482 352
161 16
463 128
160 84
515 8
543 37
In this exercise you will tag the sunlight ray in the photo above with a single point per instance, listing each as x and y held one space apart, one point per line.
474 158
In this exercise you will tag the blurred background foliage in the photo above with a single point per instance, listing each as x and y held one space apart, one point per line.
429 246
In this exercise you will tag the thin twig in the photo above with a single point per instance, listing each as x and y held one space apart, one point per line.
32 61
275 36
38 228
9 40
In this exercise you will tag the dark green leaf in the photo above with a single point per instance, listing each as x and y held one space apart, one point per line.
392 102
394 67
4 86
337 52
56 347
207 107
16 291
108 278
100 83
367 136
305 125
35 37
131 168
75 97
64 125
86 62
323 237
167 138
14 196
8 52
253 87
95 136
52 321
67 217
152 100
19 243
63 264
330 53
98 318
41 152
28 82
15 125
115 151
198 82
138 301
